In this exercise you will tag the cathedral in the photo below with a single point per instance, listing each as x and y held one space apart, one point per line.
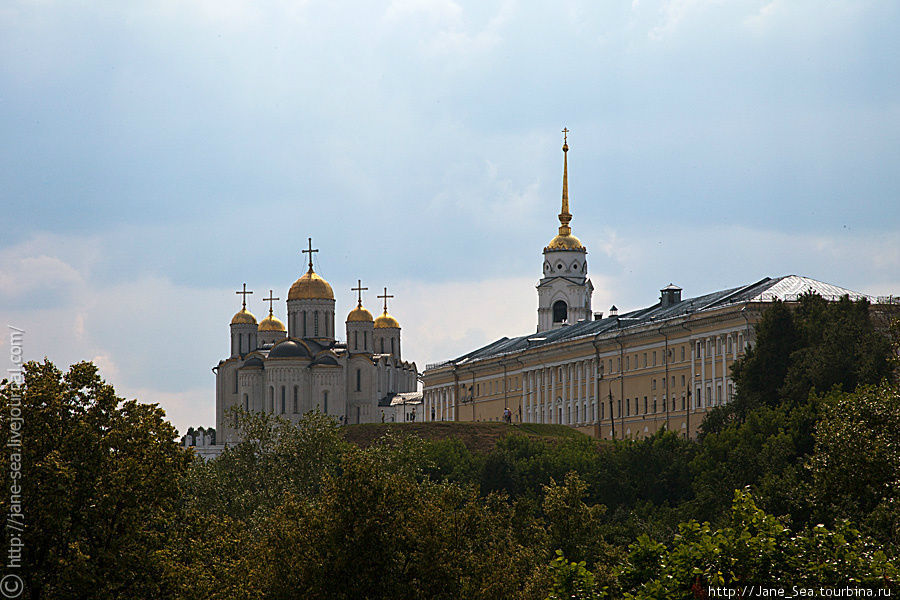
287 371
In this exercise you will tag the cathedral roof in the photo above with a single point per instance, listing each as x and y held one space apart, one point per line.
311 286
290 348
385 321
359 315
271 323
243 317
786 288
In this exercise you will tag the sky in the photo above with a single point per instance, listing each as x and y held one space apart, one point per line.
157 154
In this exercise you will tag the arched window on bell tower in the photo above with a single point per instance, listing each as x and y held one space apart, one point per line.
560 312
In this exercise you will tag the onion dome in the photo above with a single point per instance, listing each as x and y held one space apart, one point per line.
565 240
271 323
311 286
244 316
385 321
359 315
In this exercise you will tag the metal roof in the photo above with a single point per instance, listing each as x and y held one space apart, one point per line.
786 288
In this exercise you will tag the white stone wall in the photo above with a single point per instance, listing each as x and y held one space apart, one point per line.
565 278
306 310
243 338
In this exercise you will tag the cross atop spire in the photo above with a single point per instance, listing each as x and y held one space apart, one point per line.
310 252
565 217
243 292
270 300
359 288
385 296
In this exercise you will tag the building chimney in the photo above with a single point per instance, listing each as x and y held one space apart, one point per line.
598 316
669 295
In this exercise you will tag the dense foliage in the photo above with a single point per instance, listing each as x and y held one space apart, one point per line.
795 482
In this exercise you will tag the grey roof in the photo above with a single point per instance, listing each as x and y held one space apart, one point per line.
788 287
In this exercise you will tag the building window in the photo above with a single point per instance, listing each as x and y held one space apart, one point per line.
729 344
356 340
382 345
392 346
560 312
365 340
627 363
698 349
296 399
271 399
282 400
682 381
645 359
316 324
740 342
325 402
303 316
653 385
246 403
235 381
654 403
654 358
627 407
645 405
358 380
682 354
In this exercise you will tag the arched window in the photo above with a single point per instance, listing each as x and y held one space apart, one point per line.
560 312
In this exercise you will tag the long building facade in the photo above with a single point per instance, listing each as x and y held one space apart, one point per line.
615 375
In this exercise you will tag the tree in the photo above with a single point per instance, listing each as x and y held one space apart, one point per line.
99 478
856 463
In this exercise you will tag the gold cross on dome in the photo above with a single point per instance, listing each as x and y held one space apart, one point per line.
565 133
359 288
310 252
385 296
243 293
270 300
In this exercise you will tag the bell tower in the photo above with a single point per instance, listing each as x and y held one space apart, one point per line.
564 291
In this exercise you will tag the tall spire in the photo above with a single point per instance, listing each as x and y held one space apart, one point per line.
565 216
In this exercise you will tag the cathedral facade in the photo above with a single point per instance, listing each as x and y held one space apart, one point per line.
287 371
616 375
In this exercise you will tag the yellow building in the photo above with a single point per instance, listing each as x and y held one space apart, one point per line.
619 375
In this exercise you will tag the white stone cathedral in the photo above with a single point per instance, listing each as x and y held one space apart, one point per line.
564 292
290 371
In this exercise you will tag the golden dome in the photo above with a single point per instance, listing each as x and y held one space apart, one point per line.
565 242
359 315
243 317
271 323
385 321
311 286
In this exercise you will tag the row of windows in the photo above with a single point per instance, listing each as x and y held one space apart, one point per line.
302 326
281 402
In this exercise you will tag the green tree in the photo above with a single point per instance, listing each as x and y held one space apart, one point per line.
99 485
856 464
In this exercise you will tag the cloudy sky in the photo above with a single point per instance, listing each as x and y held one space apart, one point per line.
157 154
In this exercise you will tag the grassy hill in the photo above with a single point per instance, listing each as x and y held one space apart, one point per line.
478 437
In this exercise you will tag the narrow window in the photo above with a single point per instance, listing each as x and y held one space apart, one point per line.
235 382
392 346
246 403
304 322
382 345
296 399
325 402
316 324
356 340
282 400
365 340
682 353
560 312
358 380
